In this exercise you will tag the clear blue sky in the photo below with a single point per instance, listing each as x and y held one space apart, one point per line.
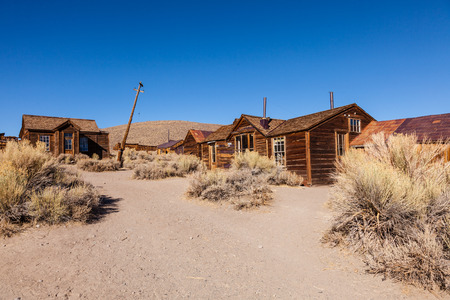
211 61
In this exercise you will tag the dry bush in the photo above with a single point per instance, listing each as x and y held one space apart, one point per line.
168 165
241 187
133 158
33 187
392 203
252 160
281 176
70 159
93 165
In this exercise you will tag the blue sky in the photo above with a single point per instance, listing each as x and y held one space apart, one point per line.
211 61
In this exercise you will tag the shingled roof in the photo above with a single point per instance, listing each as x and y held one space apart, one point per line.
220 134
256 122
434 128
32 122
308 121
199 135
168 144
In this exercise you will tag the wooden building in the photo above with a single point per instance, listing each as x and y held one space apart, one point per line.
307 145
66 135
172 146
216 151
433 128
4 139
192 142
137 147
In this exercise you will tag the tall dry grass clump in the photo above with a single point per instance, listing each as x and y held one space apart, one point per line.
392 204
33 187
96 165
245 185
152 166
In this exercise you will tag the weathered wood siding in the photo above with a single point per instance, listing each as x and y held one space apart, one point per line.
190 146
224 154
296 153
260 142
323 144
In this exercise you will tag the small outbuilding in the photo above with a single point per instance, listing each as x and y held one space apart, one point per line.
66 135
192 142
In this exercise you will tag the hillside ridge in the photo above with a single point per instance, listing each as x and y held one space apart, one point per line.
154 133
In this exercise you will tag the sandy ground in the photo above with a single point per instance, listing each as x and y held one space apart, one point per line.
151 243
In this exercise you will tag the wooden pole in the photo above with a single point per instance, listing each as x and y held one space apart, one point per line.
122 146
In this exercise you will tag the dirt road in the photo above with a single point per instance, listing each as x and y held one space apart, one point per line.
152 243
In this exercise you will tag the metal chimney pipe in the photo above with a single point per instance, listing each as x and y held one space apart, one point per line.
331 100
265 103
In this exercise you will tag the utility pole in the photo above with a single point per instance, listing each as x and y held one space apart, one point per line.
122 146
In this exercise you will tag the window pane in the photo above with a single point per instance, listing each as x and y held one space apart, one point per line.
244 142
84 144
68 135
250 136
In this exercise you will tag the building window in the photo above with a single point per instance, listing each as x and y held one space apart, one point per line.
46 140
279 151
355 125
340 144
244 142
67 141
213 152
84 144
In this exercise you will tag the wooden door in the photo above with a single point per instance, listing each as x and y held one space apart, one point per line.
68 143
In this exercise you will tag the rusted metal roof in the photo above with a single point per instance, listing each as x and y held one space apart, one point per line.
168 144
388 127
434 128
199 135
306 122
32 122
220 134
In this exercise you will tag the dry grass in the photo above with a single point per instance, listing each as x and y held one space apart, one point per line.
34 188
149 166
95 165
70 159
392 204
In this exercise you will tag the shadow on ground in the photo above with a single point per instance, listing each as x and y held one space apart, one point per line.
108 205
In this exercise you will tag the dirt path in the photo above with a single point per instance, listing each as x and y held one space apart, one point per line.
151 243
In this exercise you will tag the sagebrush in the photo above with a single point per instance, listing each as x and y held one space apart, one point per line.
245 185
391 202
34 187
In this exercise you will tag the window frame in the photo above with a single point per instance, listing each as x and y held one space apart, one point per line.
276 150
355 125
68 141
46 140
249 140
341 143
84 141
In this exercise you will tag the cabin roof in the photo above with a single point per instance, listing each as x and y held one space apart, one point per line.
256 122
32 122
308 121
168 144
220 134
433 127
199 135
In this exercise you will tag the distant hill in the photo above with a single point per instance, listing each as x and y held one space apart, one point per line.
154 133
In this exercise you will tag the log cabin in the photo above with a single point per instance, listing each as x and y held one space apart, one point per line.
65 135
307 145
429 129
192 142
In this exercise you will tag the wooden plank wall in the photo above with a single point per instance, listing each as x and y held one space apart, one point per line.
190 146
296 153
323 144
224 154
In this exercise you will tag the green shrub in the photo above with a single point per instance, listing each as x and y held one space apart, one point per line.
34 187
391 202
